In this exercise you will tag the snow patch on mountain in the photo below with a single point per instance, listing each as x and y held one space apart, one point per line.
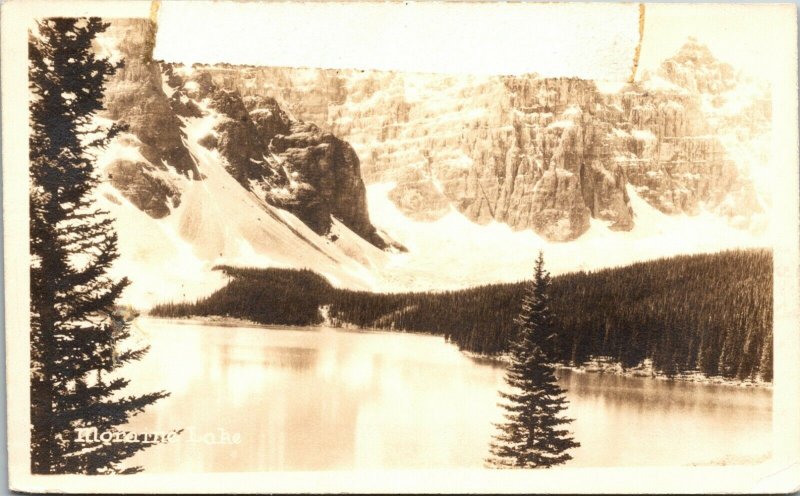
159 263
454 252
219 222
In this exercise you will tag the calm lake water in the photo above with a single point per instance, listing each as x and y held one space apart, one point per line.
319 399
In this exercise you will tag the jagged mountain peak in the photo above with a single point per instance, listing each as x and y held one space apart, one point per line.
695 52
695 68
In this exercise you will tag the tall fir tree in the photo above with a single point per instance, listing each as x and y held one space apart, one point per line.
533 435
76 335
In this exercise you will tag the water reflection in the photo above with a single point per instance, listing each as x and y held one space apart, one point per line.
654 421
317 399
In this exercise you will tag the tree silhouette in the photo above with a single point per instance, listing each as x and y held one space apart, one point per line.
532 436
76 335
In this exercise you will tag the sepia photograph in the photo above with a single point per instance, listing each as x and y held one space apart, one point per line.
249 243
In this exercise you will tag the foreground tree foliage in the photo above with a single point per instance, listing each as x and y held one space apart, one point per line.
532 436
708 313
75 334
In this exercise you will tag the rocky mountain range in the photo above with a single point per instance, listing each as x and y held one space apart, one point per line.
547 154
275 166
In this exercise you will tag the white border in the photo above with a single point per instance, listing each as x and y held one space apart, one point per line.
780 474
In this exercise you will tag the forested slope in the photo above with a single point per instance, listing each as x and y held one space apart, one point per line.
711 313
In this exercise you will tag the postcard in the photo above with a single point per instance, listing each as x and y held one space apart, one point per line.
401 247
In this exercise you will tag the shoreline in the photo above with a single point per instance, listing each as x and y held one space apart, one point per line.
642 371
599 367
220 321
223 321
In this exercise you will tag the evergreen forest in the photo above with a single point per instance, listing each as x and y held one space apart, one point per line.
709 313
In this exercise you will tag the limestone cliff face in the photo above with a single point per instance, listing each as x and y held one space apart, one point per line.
134 99
289 163
308 94
558 170
547 154
331 166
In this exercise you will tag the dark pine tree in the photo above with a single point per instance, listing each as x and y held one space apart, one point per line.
76 335
533 435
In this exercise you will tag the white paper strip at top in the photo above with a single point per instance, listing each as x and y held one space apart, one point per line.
582 40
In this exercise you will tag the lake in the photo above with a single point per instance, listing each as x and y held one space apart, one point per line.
261 399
